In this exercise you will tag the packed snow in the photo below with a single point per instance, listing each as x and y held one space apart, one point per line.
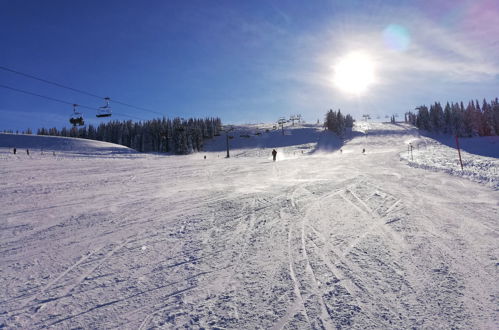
328 236
480 157
60 146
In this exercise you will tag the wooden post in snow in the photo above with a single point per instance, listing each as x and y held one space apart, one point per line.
459 152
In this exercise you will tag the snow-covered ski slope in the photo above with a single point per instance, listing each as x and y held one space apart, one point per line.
315 240
480 157
70 147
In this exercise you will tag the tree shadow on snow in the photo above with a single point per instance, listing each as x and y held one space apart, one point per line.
330 142
487 146
244 139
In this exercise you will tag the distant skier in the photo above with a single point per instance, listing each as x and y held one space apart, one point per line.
27 152
204 156
15 150
341 151
274 154
363 150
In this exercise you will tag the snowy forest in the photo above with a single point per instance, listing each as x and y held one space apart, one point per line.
454 118
336 122
179 136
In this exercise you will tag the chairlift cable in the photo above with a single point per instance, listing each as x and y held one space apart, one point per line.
76 90
42 96
59 100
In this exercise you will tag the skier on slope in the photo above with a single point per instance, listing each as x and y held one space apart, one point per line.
274 154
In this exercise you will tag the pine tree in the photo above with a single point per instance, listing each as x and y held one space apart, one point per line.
436 118
349 121
423 118
157 135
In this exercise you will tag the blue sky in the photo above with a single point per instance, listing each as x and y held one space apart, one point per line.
244 61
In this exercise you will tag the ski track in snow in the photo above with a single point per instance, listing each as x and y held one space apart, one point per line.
315 240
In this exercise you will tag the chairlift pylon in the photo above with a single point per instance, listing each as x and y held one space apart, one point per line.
105 110
77 118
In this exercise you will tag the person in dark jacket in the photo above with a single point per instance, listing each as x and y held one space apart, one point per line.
274 154
15 150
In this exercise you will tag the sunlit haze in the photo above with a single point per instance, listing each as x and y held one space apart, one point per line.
354 73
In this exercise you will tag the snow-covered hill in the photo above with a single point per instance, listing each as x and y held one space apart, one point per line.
480 156
319 239
50 144
259 140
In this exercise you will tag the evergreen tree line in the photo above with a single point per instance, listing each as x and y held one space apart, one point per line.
454 118
10 131
337 123
176 135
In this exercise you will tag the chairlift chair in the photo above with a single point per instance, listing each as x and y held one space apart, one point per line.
77 118
105 110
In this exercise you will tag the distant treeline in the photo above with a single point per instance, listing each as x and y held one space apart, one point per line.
454 118
179 136
337 123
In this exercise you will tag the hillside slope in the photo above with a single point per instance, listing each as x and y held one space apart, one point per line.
339 239
39 143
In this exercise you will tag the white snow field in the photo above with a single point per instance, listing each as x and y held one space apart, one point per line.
480 157
319 239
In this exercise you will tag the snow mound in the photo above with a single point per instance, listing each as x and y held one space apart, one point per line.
440 155
65 145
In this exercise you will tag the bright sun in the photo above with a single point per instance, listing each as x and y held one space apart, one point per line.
354 73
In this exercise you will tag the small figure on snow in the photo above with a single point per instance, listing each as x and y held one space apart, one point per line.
204 156
15 150
274 154
27 152
363 150
341 151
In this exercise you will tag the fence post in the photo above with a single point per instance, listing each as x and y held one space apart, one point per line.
459 152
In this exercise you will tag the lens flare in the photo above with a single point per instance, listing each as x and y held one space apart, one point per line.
396 37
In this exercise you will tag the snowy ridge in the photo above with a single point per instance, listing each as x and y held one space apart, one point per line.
337 239
66 145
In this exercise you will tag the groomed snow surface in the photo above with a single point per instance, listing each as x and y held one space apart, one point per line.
98 236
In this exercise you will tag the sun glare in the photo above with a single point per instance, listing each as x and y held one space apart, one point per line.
354 73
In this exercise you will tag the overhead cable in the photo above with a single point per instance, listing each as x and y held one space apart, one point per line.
59 100
76 90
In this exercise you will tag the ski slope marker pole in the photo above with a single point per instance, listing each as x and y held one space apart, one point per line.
459 152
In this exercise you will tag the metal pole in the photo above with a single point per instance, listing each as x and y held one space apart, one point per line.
227 136
459 153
